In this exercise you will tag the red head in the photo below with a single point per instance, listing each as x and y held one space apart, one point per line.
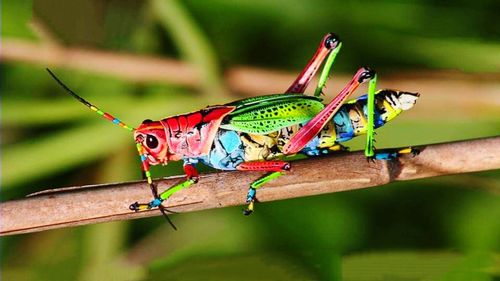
151 135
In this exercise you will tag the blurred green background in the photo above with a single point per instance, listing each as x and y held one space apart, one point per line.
445 228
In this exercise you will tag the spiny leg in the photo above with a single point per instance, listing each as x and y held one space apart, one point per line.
370 112
307 132
330 42
275 168
370 151
325 73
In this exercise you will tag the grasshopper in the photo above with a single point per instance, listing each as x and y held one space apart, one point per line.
256 134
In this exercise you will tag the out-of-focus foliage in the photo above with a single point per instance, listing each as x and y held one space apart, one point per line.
435 229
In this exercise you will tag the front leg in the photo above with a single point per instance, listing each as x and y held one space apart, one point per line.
192 177
275 168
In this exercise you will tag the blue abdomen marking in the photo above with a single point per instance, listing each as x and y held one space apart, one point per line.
343 126
227 151
378 121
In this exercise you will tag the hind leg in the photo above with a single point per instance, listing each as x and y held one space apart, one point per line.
370 151
307 132
329 45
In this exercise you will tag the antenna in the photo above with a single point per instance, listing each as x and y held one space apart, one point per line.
89 105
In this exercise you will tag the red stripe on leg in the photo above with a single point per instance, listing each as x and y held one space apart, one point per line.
302 81
268 166
314 126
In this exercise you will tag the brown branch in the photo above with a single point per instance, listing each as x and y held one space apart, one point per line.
448 86
126 66
101 203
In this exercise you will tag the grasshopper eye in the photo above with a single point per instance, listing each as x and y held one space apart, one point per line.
151 141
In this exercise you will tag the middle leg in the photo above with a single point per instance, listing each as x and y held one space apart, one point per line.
192 177
276 169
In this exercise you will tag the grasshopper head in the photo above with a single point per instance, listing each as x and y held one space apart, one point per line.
151 135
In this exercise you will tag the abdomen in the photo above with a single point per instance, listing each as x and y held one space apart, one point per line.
351 120
230 148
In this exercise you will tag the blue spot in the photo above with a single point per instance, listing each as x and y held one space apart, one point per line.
386 155
227 152
143 157
343 126
362 98
116 121
155 203
251 194
230 141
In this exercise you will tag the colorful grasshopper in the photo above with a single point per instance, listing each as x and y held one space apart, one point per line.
254 134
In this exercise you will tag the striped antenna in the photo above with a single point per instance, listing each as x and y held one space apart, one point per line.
91 106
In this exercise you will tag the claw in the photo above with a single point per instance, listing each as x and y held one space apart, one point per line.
137 207
249 210
134 207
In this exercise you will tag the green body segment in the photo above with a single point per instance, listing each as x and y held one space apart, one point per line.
267 114
370 114
326 71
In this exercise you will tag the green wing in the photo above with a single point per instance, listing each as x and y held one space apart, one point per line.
266 114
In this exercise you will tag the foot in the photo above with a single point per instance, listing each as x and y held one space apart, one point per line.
250 201
141 206
249 210
390 154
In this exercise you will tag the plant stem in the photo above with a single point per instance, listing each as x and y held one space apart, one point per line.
82 205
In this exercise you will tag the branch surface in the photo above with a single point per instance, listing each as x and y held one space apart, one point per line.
74 206
239 79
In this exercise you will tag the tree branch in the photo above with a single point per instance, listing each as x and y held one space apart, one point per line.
247 80
108 202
